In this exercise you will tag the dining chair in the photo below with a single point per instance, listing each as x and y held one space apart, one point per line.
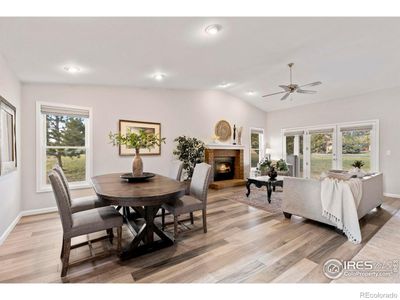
175 172
81 203
197 200
82 223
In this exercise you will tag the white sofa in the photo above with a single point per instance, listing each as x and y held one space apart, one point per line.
302 197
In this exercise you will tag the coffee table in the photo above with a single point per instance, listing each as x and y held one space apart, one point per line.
261 181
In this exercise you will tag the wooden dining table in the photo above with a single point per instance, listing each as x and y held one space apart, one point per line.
140 202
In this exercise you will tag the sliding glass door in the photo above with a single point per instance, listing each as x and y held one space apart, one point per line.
294 152
322 152
318 149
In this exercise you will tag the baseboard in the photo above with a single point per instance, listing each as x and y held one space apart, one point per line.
391 195
24 213
10 227
39 211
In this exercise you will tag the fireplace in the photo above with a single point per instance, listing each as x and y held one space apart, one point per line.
224 168
227 165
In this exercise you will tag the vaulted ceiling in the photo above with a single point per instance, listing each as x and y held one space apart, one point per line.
349 55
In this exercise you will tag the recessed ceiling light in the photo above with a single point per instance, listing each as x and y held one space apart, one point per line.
224 84
213 29
250 93
159 76
72 69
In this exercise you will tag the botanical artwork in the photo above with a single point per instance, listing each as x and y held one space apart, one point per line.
150 128
8 152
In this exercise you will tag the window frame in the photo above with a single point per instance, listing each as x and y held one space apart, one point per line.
337 136
41 186
260 132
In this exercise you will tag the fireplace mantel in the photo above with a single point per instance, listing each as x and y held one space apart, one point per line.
225 146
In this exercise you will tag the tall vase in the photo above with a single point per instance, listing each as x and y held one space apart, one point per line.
137 164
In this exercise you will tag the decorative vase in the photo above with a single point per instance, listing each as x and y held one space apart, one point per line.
272 173
137 164
239 134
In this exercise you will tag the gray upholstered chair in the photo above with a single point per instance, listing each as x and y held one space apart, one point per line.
197 200
79 204
83 222
176 170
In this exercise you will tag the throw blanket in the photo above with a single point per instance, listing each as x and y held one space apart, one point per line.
340 200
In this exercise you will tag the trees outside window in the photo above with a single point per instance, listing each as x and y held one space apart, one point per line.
63 141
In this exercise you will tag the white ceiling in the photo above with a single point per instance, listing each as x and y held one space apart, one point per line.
349 55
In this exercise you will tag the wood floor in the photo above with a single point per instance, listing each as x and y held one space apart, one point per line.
243 244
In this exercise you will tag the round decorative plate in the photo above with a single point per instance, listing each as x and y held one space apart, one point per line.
223 130
131 178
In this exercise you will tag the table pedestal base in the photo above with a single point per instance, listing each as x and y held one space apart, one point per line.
143 242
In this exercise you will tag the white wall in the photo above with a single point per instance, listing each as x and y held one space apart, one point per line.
383 105
193 113
10 184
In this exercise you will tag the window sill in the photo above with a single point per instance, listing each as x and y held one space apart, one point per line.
79 186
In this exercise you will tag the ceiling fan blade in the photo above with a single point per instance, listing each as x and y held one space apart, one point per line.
305 91
285 87
284 97
312 84
273 94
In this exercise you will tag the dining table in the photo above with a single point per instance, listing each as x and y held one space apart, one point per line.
140 202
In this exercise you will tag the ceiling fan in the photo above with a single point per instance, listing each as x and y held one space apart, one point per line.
291 88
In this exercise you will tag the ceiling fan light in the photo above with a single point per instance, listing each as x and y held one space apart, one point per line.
213 29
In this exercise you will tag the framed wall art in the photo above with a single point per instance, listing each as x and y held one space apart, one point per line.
8 139
135 126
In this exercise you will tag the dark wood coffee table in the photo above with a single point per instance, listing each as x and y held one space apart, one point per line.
261 181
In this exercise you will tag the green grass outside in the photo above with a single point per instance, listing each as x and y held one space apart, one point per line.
323 162
74 167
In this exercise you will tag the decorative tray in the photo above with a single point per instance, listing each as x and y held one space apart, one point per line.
131 178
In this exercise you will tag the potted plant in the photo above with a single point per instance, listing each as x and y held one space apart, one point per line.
282 167
264 166
190 151
357 165
137 141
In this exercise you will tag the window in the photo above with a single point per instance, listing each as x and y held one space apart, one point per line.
256 146
334 146
63 139
356 145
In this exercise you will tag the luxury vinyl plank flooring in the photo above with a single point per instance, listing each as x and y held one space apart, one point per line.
243 244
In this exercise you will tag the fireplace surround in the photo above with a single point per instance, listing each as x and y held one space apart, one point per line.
227 165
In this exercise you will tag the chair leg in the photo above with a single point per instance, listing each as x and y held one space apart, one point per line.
162 218
65 259
175 226
110 233
287 215
119 234
191 218
204 221
62 250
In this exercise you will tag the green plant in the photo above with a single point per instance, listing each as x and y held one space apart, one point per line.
281 165
190 151
358 164
265 164
141 140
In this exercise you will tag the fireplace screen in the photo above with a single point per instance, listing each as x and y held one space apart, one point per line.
224 168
